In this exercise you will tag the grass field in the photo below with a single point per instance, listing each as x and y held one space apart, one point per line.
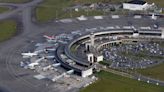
3 9
51 9
161 44
95 1
7 29
157 2
113 83
106 63
154 72
14 1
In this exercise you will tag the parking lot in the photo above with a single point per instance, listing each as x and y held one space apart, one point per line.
136 55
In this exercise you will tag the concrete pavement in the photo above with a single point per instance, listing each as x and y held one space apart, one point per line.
15 79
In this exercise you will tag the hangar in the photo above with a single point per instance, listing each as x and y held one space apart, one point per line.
135 5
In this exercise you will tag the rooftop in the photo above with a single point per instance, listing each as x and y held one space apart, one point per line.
140 2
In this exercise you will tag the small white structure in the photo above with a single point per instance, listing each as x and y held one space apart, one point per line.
76 9
90 57
162 35
82 18
153 17
98 17
115 16
92 37
135 5
135 34
99 58
86 73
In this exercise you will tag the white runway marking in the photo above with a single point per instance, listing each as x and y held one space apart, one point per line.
115 16
82 18
66 20
145 28
137 16
127 27
98 17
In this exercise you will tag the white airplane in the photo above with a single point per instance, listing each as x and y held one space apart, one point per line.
22 64
39 51
32 65
46 67
50 49
49 37
39 60
154 17
70 72
29 54
50 57
56 65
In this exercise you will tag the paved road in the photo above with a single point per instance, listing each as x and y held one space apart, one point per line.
19 8
15 79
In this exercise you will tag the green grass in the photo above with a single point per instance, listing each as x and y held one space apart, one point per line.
161 44
109 82
106 63
7 29
157 2
95 1
51 9
154 72
3 9
14 1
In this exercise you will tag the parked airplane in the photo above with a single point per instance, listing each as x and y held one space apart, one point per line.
50 49
32 65
49 37
50 57
70 72
29 54
56 65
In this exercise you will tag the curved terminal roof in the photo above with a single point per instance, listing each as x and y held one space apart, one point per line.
80 64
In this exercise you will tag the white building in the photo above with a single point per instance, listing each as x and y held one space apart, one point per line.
135 5
87 72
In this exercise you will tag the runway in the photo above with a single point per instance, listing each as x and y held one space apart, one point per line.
15 79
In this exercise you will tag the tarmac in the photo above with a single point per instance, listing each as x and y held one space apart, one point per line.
15 79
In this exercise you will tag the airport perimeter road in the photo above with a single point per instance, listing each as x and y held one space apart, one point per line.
15 79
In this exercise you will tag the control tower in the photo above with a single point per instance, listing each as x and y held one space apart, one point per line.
92 37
